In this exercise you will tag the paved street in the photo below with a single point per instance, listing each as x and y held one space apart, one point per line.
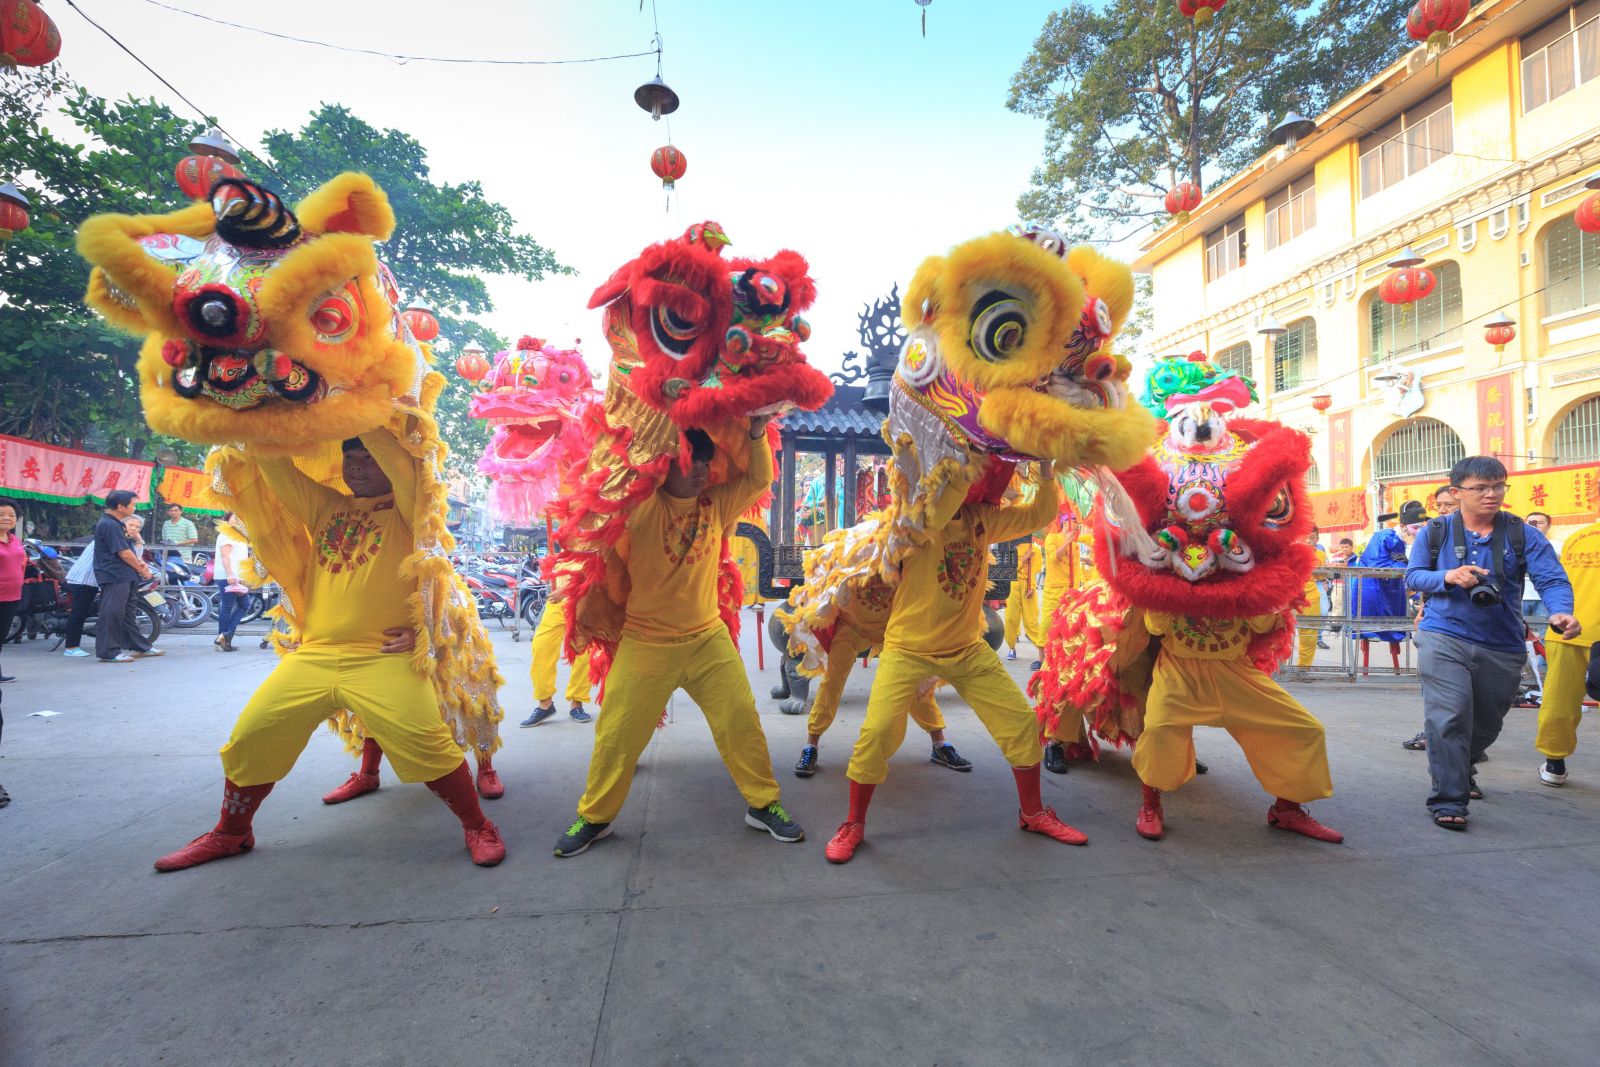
361 934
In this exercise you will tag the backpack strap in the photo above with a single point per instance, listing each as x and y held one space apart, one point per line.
1438 527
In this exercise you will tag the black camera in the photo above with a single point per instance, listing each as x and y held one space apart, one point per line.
1486 594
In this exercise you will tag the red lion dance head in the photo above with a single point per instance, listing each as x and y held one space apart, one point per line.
535 398
697 342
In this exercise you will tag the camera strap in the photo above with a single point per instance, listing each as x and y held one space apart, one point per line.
1497 541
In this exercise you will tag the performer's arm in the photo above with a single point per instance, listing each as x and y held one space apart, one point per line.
950 499
398 465
297 492
1007 523
739 495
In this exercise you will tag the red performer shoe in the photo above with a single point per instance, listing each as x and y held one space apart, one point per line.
845 842
1287 815
209 846
1149 823
1046 822
490 787
485 845
357 785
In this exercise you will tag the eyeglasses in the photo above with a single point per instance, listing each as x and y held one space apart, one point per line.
1497 489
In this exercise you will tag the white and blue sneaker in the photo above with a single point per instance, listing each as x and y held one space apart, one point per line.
75 653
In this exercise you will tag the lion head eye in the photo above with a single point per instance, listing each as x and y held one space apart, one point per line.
336 317
1281 511
674 333
999 327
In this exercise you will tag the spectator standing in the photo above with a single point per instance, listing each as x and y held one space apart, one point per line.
82 591
228 565
1530 596
1562 707
116 567
1444 501
12 561
1470 644
178 530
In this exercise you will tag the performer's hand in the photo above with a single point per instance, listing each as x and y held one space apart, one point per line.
1566 626
1465 576
399 639
758 426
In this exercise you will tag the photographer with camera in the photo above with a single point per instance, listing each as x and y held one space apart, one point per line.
1470 647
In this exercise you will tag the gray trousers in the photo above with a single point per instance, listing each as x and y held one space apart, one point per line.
1467 689
114 629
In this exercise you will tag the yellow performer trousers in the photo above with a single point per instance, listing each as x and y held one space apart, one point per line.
396 705
547 642
1282 740
1022 615
848 644
976 674
1561 708
1308 638
643 675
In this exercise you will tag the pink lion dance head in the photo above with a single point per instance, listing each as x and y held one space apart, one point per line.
535 398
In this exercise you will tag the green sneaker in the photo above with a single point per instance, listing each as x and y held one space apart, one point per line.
775 821
580 835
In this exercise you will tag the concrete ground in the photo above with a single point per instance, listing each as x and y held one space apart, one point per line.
361 934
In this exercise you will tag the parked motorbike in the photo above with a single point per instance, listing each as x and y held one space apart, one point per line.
47 605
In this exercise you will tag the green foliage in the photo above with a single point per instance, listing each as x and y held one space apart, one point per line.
68 378
1136 98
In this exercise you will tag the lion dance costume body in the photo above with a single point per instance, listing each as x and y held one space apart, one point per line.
700 344
1006 360
538 399
1197 606
272 335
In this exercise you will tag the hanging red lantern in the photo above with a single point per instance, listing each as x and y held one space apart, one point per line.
1182 199
1588 214
669 165
1322 402
471 364
1500 331
197 174
13 212
1407 285
418 317
1434 21
1200 10
27 36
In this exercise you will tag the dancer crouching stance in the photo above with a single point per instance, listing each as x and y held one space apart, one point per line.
355 595
673 637
934 632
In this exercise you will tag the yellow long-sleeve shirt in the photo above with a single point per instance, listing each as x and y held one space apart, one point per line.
1580 558
672 549
938 605
354 590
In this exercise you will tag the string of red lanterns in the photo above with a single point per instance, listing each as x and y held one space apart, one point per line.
13 212
213 158
1408 281
1433 21
1200 11
418 317
1500 331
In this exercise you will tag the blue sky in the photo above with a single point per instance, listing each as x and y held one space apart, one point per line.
830 127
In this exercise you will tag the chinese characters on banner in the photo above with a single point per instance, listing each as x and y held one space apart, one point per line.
67 476
1342 475
1495 417
1340 509
1566 494
192 489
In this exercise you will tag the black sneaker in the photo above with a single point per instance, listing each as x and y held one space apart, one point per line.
1201 768
1055 758
1035 665
1416 744
775 821
577 714
945 755
1551 772
539 715
806 766
580 835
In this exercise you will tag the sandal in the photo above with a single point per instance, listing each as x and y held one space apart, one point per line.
1473 792
1451 822
1416 744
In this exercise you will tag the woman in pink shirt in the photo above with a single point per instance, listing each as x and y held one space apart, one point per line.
11 563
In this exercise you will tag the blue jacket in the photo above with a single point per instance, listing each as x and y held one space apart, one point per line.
1450 609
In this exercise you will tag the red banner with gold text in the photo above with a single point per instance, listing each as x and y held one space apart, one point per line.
1495 417
66 476
1340 509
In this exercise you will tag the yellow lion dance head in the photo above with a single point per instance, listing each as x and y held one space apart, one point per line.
263 326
